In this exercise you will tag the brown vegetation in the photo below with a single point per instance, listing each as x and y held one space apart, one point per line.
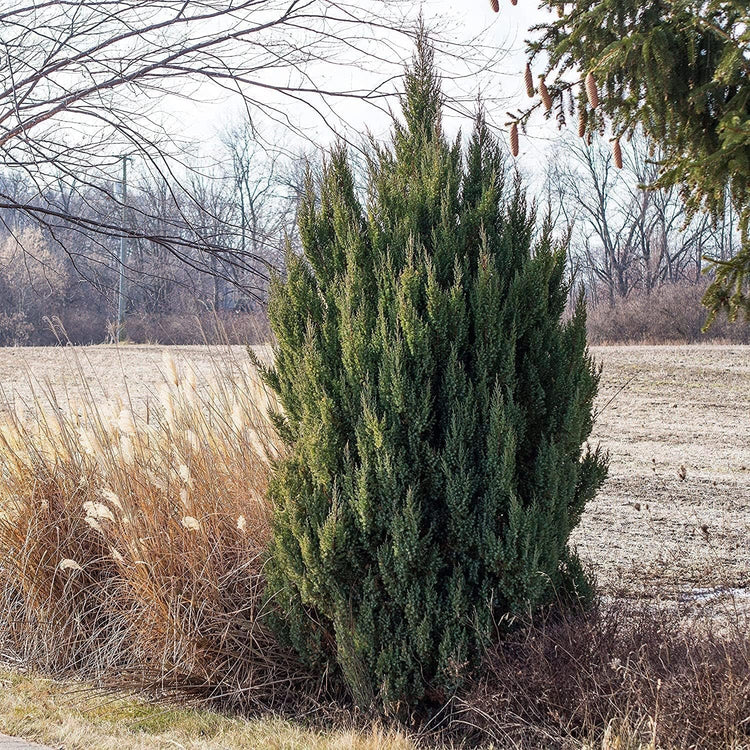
132 542
623 676
133 533
673 314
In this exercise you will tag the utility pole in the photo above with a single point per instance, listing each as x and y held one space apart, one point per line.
123 251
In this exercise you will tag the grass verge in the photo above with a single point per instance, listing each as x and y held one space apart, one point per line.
77 717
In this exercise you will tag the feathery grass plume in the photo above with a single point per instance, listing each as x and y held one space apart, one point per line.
514 139
592 92
617 153
91 521
171 368
110 497
68 564
98 510
544 93
191 524
528 80
122 558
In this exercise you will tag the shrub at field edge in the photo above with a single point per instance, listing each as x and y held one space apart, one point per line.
435 408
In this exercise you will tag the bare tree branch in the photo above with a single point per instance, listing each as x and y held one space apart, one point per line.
83 82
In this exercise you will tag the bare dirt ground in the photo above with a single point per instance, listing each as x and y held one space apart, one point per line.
668 412
660 408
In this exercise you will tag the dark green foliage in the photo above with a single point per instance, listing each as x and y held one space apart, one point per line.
435 408
681 71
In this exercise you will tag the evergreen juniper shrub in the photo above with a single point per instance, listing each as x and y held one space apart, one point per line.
435 406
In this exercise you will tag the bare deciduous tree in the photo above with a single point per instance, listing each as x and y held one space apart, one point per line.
83 82
627 235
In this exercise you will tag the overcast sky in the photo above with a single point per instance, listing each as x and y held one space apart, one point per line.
461 20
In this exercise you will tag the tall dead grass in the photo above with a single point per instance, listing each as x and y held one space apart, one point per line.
133 536
625 676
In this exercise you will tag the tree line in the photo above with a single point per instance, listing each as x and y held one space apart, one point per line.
59 281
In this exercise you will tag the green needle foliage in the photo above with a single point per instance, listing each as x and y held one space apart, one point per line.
435 409
679 69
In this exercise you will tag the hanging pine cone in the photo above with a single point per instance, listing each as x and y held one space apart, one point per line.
544 93
582 119
591 91
514 139
529 81
617 153
514 2
495 5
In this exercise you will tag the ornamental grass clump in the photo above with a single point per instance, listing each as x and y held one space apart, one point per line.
133 539
435 409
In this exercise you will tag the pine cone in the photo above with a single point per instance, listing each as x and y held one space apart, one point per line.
514 2
582 119
544 93
591 91
529 81
617 153
495 5
514 139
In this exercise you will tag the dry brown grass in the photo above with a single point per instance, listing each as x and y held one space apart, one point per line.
623 676
132 541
